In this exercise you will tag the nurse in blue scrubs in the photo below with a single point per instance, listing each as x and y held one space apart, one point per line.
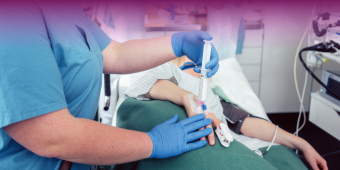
52 56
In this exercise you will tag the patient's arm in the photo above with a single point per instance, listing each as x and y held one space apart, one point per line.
166 90
262 129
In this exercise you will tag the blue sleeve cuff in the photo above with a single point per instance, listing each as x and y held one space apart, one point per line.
103 40
177 41
153 143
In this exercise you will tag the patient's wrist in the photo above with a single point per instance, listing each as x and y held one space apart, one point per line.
186 104
301 144
185 100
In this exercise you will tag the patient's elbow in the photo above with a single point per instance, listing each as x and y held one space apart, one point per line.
147 95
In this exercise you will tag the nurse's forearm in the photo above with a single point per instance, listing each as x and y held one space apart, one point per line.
104 145
137 55
59 134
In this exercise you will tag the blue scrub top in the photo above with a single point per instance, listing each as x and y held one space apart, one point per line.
50 59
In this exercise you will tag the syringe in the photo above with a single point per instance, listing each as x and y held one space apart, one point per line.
202 93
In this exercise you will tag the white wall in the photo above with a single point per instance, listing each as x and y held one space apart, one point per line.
285 24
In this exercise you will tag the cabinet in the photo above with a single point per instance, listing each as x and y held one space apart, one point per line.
325 114
251 57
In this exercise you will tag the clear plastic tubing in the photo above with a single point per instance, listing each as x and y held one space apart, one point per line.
202 94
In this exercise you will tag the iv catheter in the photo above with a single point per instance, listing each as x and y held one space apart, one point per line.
203 86
222 132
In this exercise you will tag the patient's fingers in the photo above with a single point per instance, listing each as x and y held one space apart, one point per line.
323 166
314 166
313 162
216 122
196 125
211 136
202 138
322 163
196 135
192 119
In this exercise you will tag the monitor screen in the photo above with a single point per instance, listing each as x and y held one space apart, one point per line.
334 86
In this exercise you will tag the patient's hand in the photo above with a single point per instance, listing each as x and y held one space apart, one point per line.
314 159
190 113
215 121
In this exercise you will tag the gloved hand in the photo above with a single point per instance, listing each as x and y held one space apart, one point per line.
171 139
191 44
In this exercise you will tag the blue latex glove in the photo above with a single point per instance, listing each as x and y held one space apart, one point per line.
171 139
191 44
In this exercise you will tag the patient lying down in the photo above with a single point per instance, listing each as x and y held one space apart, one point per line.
168 82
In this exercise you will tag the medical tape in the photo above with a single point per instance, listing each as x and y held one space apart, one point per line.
196 105
224 135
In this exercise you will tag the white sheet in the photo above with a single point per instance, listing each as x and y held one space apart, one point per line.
235 86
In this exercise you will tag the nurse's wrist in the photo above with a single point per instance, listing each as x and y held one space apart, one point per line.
177 41
149 146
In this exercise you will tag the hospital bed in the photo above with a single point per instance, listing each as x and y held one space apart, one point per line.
231 80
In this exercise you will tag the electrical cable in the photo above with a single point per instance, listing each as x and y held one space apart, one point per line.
264 152
335 152
322 32
324 16
311 87
296 84
325 155
277 126
303 94
295 79
322 47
